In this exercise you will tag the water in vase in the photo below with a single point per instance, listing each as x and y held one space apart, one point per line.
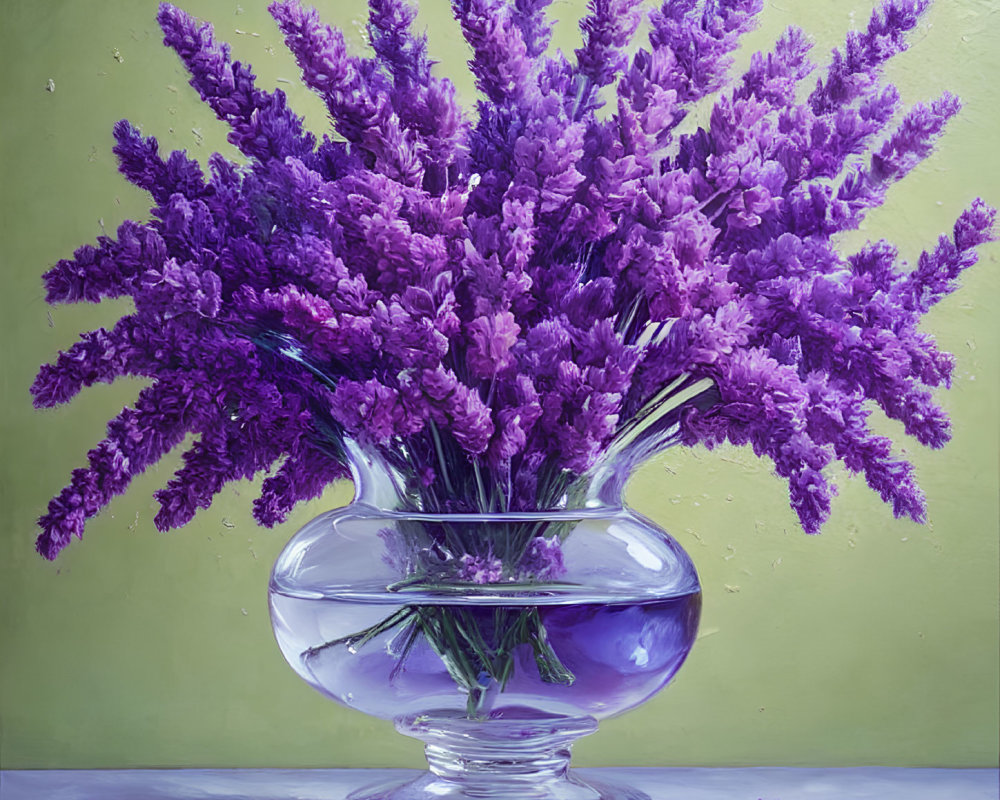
595 659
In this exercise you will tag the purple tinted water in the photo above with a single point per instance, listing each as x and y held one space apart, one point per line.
620 653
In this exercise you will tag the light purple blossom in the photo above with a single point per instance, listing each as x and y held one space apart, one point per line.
491 340
480 569
543 559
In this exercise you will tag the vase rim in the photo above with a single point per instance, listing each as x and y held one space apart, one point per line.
592 510
462 593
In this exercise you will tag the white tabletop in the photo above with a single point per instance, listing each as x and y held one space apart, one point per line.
758 783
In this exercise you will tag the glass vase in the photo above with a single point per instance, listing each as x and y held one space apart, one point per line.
496 638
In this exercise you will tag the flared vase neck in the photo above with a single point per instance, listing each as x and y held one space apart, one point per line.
434 475
381 484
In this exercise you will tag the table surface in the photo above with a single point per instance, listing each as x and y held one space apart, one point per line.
756 783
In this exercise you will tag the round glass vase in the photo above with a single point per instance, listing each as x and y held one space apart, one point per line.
496 638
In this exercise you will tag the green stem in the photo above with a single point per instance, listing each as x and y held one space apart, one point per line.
440 454
356 641
454 634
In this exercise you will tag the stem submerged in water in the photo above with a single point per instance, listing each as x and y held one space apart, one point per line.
480 661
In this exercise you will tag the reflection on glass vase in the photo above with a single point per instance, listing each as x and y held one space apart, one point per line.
496 638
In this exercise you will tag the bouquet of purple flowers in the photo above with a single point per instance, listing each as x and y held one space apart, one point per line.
496 304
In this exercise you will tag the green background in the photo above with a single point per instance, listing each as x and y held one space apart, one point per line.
872 643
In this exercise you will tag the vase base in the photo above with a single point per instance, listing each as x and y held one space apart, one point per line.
430 787
515 755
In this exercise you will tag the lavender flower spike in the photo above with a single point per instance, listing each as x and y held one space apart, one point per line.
140 163
355 95
425 104
937 271
855 69
136 438
500 55
536 30
606 30
263 126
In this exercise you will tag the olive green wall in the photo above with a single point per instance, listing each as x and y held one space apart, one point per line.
873 643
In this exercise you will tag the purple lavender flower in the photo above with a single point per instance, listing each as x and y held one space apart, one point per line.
606 30
855 68
491 340
936 272
543 560
140 163
529 16
500 55
494 305
263 126
480 569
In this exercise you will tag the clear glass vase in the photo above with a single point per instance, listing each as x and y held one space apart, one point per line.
496 638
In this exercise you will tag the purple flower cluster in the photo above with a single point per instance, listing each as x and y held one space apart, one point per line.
480 569
543 560
497 304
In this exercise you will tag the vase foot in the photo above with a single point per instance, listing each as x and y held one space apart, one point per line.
430 787
509 756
